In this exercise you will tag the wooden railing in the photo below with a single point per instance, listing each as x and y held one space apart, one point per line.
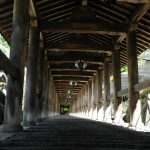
7 65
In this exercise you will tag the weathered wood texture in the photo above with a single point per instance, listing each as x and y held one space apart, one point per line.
83 45
7 65
106 80
116 77
96 28
13 102
132 70
134 1
31 79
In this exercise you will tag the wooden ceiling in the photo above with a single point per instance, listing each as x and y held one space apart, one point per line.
80 29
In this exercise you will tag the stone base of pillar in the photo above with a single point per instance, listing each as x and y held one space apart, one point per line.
10 128
29 123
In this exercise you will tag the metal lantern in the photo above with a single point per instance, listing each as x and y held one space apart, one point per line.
73 83
80 64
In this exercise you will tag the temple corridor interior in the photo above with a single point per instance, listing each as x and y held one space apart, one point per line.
87 60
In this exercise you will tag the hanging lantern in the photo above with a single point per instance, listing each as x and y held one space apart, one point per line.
80 64
73 83
69 92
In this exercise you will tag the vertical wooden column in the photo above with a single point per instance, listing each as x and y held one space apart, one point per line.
40 82
90 98
95 84
99 89
87 98
100 81
45 85
31 80
49 82
13 102
106 80
93 94
132 69
50 94
116 76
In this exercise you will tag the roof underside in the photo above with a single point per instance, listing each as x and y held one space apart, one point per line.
65 44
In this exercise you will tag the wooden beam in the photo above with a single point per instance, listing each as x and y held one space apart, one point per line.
79 47
134 1
67 82
142 85
137 87
134 18
71 67
7 65
94 28
68 75
139 13
68 78
67 86
85 70
72 59
71 73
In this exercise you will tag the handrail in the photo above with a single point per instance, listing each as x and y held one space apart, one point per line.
7 65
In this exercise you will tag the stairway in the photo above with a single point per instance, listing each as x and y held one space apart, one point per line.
70 133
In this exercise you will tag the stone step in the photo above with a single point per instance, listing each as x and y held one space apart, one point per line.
75 134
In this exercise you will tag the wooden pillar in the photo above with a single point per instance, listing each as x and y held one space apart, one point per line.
87 98
99 84
116 77
90 98
45 85
31 79
93 94
13 102
132 69
95 84
106 80
50 95
100 81
40 82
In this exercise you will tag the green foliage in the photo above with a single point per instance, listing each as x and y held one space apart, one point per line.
144 93
4 46
66 110
124 69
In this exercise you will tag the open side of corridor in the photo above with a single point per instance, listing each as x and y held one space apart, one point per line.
72 133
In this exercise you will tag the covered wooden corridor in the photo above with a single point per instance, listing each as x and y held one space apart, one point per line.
71 133
70 50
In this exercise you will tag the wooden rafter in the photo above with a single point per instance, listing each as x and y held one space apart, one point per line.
69 78
73 59
71 73
134 18
85 47
71 67
134 1
96 28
